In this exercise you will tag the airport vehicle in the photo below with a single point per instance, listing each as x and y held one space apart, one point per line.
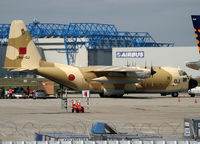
19 95
39 94
22 55
76 107
196 24
194 92
19 92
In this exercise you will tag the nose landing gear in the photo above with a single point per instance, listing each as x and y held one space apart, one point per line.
175 94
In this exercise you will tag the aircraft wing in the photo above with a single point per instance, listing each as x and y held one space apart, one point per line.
121 75
193 64
14 69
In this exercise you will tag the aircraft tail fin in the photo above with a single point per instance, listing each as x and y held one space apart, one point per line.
21 51
196 25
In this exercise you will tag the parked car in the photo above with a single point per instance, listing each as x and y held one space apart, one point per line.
19 92
19 95
39 94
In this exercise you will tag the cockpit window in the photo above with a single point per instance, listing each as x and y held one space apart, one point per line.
182 73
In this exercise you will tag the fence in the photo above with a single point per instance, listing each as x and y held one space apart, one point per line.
103 142
13 131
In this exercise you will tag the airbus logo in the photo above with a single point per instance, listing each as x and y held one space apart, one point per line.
130 54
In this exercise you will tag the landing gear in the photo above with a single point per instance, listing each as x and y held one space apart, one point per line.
117 96
192 95
111 96
61 88
102 95
175 94
163 94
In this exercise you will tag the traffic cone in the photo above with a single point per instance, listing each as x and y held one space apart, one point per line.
195 100
179 100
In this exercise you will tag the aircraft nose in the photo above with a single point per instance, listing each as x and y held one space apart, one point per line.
192 83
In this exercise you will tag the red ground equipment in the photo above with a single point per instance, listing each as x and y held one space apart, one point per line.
76 106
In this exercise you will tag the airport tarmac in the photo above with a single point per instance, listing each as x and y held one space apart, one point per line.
134 113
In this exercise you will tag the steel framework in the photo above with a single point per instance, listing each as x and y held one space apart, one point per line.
91 35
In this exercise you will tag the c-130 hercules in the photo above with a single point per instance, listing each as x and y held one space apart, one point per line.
22 55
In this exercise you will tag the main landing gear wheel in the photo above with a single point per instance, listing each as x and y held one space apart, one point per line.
102 95
163 94
192 95
111 96
175 94
117 96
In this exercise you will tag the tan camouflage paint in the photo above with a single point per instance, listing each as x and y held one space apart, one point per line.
84 77
20 37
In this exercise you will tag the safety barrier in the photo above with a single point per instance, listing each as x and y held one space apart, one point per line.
104 142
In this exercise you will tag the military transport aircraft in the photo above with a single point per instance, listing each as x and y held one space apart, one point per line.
196 24
22 55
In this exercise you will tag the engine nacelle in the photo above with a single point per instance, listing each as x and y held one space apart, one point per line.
141 75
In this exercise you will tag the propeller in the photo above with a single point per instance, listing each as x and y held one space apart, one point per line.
152 73
152 70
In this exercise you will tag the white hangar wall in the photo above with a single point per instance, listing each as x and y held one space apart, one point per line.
100 57
83 58
159 56
49 45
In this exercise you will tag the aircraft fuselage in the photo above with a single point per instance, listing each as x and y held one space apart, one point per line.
166 80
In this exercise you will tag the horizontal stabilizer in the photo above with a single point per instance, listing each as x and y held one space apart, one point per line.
21 69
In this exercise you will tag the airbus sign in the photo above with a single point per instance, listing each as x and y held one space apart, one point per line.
130 54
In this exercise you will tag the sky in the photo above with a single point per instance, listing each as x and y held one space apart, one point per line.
165 20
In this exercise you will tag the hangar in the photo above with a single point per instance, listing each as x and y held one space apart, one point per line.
162 56
80 44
